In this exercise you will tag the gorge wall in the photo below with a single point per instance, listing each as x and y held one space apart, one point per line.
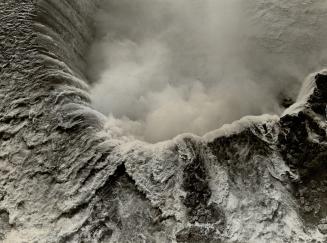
64 178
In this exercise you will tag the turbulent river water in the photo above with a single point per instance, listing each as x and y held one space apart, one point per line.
68 175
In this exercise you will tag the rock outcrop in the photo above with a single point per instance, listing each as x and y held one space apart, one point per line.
64 178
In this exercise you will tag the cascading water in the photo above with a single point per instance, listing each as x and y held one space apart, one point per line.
66 177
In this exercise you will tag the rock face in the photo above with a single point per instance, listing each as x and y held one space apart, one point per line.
63 178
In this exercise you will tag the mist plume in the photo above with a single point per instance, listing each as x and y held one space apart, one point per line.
164 67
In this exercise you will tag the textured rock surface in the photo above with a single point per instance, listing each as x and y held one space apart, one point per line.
63 178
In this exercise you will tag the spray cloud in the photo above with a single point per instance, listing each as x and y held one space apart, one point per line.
164 67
